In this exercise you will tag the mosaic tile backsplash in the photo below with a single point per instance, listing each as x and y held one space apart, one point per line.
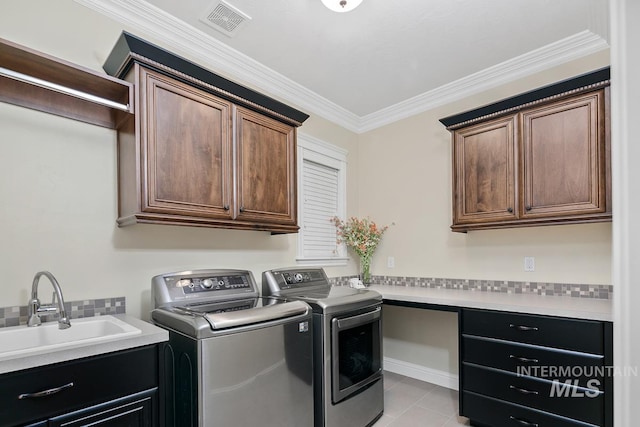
503 286
14 316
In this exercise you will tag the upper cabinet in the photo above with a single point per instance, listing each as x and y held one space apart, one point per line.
41 82
202 150
536 159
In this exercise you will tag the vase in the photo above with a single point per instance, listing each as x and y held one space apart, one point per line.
365 273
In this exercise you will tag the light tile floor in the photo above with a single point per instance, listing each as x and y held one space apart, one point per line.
412 403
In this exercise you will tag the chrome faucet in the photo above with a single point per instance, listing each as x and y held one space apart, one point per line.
35 307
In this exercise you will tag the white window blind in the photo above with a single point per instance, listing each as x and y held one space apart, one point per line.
322 187
320 184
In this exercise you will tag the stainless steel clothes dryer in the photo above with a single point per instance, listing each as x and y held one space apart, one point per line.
347 354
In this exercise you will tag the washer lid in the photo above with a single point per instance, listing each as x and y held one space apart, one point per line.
207 319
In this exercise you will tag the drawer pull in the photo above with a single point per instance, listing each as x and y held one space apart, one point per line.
523 422
523 359
523 390
523 328
44 393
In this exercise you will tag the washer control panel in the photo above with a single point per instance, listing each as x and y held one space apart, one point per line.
210 284
202 286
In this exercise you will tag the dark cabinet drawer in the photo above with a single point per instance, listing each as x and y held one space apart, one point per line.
555 397
570 334
496 413
531 360
94 380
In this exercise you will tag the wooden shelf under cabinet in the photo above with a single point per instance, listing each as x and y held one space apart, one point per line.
59 87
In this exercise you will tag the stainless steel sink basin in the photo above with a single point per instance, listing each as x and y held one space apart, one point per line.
18 341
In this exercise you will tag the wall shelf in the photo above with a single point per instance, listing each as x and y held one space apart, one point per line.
35 80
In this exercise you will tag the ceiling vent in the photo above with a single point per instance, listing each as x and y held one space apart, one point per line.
225 18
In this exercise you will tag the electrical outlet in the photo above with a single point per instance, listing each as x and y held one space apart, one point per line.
529 263
391 262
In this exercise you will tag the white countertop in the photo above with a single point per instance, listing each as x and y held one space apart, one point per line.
150 334
565 306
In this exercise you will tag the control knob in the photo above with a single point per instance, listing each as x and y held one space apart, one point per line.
298 277
207 283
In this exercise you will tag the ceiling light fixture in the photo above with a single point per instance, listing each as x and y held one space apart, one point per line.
341 5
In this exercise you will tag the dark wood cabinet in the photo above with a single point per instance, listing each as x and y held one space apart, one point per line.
114 389
192 158
522 369
543 162
202 150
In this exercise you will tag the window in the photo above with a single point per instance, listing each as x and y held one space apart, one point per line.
322 171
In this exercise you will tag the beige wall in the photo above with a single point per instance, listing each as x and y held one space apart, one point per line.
405 178
58 187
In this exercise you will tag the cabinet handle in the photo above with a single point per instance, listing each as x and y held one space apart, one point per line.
523 422
523 328
523 359
523 390
44 393
510 210
225 207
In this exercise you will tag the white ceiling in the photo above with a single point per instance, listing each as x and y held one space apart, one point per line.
384 59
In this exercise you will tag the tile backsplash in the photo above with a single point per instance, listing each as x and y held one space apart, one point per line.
503 286
17 315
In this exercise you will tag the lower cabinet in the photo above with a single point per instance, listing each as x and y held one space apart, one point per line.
117 389
134 410
522 370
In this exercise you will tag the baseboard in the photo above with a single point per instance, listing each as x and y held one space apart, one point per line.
422 373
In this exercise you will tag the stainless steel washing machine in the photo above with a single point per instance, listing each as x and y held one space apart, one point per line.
233 358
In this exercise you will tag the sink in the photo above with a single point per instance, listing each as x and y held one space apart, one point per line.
22 341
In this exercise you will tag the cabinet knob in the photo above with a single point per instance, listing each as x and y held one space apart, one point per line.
510 210
225 207
528 208
241 208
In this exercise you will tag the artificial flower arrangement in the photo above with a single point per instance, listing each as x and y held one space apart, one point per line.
363 236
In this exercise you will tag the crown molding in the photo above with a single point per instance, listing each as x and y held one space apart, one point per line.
208 52
554 54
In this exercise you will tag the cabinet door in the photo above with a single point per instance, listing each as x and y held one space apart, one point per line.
132 411
563 162
266 169
186 147
484 172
